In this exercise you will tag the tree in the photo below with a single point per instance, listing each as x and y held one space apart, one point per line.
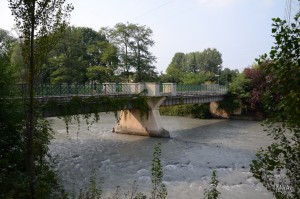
78 49
240 87
17 63
178 62
193 63
227 76
99 73
133 42
7 45
121 35
257 87
143 58
278 166
210 60
37 20
176 69
248 88
207 62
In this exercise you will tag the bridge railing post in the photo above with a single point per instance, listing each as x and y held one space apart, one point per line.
168 89
153 89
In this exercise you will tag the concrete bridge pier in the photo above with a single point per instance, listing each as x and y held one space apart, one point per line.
135 123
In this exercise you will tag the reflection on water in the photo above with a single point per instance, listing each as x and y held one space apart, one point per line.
195 148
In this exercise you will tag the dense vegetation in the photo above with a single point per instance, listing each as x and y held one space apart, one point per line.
278 166
195 67
246 93
25 165
200 111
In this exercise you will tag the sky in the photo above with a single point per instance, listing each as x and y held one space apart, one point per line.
239 29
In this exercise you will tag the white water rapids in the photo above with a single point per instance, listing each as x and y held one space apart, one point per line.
195 148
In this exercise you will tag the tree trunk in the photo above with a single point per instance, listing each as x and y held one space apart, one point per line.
30 167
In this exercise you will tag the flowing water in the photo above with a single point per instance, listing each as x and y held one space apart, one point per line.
196 147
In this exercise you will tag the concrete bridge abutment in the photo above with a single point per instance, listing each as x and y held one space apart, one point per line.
149 124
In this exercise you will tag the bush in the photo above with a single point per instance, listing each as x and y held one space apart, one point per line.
200 111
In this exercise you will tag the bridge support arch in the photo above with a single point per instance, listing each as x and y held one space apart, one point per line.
135 123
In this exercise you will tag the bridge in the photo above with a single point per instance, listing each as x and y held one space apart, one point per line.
89 98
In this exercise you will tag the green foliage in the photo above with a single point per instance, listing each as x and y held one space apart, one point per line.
240 87
174 74
159 189
16 59
176 69
238 95
278 166
227 76
12 146
13 177
212 193
210 60
245 91
193 78
14 181
194 110
133 42
82 54
38 22
195 67
99 73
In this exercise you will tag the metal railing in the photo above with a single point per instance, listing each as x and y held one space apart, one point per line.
203 88
151 89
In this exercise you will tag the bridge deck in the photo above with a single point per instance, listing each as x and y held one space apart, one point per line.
107 96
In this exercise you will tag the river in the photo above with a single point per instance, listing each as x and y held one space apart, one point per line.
195 148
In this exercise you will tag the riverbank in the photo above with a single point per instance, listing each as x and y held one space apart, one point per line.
204 111
201 111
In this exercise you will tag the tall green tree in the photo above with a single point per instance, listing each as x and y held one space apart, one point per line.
36 20
78 49
210 60
133 42
121 35
176 68
278 166
143 58
207 62
178 61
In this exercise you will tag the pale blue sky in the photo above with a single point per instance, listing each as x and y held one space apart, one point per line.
239 29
